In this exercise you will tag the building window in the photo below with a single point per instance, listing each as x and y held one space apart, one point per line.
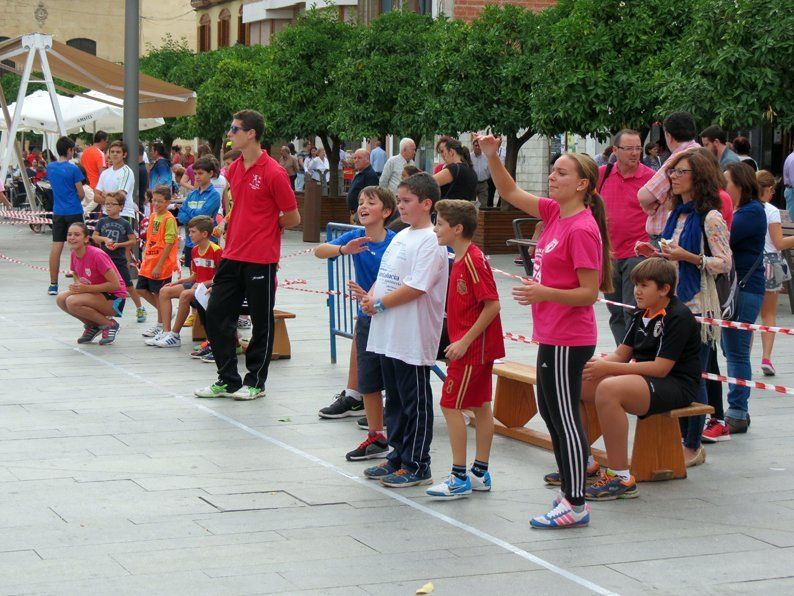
425 7
224 19
204 32
385 6
243 30
83 44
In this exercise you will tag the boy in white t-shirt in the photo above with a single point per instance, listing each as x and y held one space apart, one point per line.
406 304
118 177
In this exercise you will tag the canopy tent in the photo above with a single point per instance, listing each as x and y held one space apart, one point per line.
38 52
79 113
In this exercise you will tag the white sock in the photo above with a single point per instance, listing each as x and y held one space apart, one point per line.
623 474
354 394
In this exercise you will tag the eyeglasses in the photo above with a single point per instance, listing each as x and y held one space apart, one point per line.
630 148
675 173
235 129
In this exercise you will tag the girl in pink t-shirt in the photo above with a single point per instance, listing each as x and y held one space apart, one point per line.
572 262
97 293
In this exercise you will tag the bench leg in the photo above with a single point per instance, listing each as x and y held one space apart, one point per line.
281 346
514 402
657 453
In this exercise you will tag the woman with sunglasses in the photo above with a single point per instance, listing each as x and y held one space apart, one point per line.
697 238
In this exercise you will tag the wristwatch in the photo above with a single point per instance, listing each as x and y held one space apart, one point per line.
378 307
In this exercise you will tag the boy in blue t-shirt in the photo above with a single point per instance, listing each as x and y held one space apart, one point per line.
202 200
375 206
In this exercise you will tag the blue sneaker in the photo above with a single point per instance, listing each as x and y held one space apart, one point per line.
402 478
380 471
452 488
480 483
53 290
562 516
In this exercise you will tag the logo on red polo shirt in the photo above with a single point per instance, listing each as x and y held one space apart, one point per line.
462 289
256 182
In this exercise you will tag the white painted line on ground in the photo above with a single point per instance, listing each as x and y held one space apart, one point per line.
336 469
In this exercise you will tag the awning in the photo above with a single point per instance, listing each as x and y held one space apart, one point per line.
158 99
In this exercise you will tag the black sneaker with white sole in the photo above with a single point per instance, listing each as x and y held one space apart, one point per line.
342 407
373 447
363 424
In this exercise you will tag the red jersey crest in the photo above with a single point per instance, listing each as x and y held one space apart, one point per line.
461 287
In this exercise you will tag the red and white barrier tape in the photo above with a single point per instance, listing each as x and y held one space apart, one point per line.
18 262
296 253
26 222
18 212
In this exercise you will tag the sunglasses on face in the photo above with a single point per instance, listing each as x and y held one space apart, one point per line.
234 129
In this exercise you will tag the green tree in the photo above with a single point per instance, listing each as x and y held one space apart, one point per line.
734 64
303 88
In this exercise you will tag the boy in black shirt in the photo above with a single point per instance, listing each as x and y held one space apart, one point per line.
664 340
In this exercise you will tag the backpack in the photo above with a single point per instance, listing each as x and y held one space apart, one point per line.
728 285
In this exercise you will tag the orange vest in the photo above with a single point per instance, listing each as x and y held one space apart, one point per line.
155 245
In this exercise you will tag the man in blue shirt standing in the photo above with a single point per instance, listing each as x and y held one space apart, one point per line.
377 156
160 174
66 180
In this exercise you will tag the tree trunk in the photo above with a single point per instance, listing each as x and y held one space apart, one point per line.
514 144
331 143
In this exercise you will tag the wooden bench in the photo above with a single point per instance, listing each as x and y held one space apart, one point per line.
282 349
514 405
657 453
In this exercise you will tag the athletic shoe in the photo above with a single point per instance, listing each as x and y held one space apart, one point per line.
243 323
201 351
89 333
373 447
554 478
715 431
610 487
736 425
380 471
109 333
402 478
189 321
152 341
214 390
209 358
53 290
169 340
767 367
238 350
140 314
480 483
342 407
363 424
452 488
246 393
562 516
152 331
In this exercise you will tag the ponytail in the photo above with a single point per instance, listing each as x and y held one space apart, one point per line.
467 157
598 209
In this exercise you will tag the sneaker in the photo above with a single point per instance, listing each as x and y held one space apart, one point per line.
593 473
243 323
238 350
343 406
189 321
402 478
152 331
53 290
380 471
89 333
201 351
140 314
767 367
452 488
363 424
736 425
214 390
715 431
246 393
373 447
209 358
152 341
109 333
562 516
169 340
480 483
610 487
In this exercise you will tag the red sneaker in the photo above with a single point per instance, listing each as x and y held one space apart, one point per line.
716 431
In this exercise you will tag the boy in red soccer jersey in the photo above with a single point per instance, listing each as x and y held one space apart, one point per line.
475 333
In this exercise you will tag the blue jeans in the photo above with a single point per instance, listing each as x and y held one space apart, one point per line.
788 194
619 317
692 427
736 348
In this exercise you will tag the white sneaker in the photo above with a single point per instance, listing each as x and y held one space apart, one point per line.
152 341
243 323
168 340
153 331
246 393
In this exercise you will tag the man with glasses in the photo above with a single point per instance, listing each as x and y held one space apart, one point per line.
618 185
264 204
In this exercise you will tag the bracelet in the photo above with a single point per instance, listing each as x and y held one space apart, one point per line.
340 250
378 307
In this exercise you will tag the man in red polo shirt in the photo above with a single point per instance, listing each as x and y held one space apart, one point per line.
618 184
264 204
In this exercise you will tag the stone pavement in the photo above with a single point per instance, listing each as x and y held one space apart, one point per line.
115 479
